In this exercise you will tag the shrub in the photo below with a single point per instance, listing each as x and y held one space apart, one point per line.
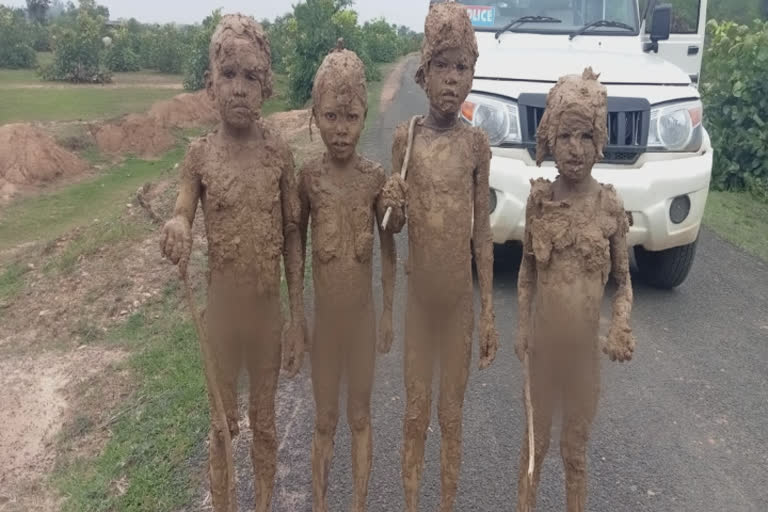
16 40
319 24
120 56
381 41
197 61
78 52
735 92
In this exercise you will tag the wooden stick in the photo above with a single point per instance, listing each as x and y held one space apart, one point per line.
531 440
404 168
219 413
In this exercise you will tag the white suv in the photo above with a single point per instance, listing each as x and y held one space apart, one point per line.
659 155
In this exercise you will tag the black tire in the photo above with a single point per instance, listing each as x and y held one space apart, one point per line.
665 269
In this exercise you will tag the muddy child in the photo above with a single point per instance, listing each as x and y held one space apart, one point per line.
243 174
447 213
340 193
575 239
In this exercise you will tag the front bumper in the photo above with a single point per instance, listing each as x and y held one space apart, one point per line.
647 189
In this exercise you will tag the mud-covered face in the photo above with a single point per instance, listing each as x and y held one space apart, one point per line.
341 119
574 150
237 82
449 80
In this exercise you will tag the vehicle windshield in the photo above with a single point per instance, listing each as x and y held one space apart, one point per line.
492 15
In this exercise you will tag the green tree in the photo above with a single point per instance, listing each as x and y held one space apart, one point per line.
198 61
381 40
282 37
78 51
38 9
319 24
15 40
735 92
120 55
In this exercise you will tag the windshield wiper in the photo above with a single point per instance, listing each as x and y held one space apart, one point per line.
527 19
601 23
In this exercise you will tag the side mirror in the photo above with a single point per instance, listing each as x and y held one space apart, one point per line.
661 27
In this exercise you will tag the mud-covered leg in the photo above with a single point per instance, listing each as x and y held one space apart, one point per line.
264 369
418 389
226 368
543 400
326 374
360 368
580 398
455 357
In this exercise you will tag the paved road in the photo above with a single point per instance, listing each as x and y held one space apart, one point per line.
683 428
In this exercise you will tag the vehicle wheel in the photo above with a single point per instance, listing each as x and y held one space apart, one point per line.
507 258
665 269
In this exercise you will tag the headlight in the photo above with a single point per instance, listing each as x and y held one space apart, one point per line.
676 127
499 118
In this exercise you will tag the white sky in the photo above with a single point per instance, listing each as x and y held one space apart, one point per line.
403 12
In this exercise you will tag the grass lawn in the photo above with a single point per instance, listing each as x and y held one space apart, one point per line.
76 103
50 215
159 430
741 219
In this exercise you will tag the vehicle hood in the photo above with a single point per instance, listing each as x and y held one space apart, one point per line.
549 64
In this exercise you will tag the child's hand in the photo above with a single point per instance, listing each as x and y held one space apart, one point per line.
394 195
293 347
489 341
384 343
620 343
176 240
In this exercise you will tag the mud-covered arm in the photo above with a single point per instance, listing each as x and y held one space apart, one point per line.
388 277
190 186
304 212
483 248
293 249
176 237
526 286
294 339
621 342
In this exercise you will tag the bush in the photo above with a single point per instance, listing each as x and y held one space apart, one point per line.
197 62
319 24
168 49
120 56
16 41
735 92
381 41
79 52
282 37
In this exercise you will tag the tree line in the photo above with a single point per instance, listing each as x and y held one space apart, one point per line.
88 47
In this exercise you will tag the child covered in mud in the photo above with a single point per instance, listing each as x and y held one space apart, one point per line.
447 213
340 192
243 173
575 239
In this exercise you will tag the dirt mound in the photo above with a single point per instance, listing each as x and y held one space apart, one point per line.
150 134
139 134
185 110
294 128
30 156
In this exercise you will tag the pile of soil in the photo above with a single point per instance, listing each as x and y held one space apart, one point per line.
294 128
185 110
138 134
149 134
30 156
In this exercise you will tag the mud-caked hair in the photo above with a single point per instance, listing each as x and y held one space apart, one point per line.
583 94
341 73
447 27
239 26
